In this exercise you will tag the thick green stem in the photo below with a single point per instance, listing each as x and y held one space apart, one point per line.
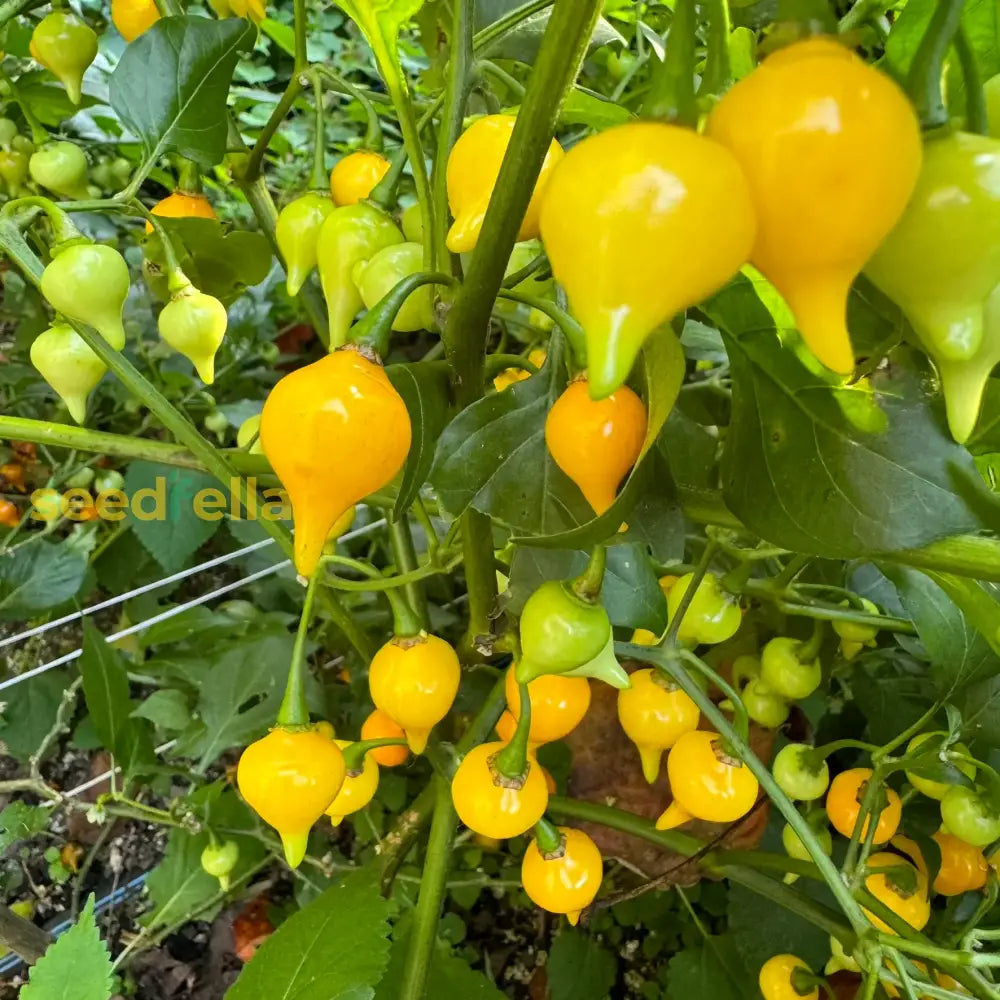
570 327
563 48
718 66
432 889
405 557
405 622
293 710
480 580
671 95
975 98
508 23
318 181
301 28
925 80
253 165
548 838
512 761
588 584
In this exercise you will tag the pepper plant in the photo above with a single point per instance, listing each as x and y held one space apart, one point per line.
600 398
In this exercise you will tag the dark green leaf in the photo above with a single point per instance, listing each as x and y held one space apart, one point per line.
336 948
424 388
167 709
832 470
178 884
708 969
30 711
171 85
76 965
579 968
162 511
19 822
38 576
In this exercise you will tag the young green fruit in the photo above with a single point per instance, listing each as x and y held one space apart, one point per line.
62 43
297 233
376 277
412 221
61 167
64 360
8 130
219 860
193 324
13 169
89 282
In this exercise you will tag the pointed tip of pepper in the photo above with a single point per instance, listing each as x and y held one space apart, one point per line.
610 358
673 816
205 367
294 845
574 917
334 819
464 232
650 758
77 406
416 739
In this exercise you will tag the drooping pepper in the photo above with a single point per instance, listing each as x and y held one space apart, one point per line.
66 46
297 233
333 432
624 221
61 167
472 172
89 282
349 234
358 789
831 149
356 175
376 277
67 363
194 324
941 265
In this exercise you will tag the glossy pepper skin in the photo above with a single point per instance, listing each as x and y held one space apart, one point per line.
379 725
414 680
356 175
712 616
333 432
843 806
798 774
13 169
9 516
89 282
182 205
66 46
61 167
289 778
776 979
492 805
905 894
566 881
963 866
348 235
706 783
220 859
472 172
563 634
376 277
67 363
928 786
655 716
800 125
558 704
133 17
358 789
784 673
970 817
941 265
596 442
623 223
194 324
297 233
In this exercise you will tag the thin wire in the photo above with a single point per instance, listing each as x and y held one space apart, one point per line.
74 792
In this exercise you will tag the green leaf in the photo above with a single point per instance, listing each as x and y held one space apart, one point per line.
580 969
19 822
167 709
631 594
831 470
172 82
219 263
959 655
424 388
584 108
163 515
238 697
48 100
708 969
38 576
492 457
30 711
106 689
76 966
336 948
283 35
380 22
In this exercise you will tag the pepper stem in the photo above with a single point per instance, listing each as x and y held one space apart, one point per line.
319 180
671 96
976 118
354 755
405 622
547 836
512 761
924 82
188 177
809 649
63 230
587 586
293 710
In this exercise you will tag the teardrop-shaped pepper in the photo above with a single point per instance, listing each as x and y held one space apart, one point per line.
61 167
358 789
376 277
89 282
596 442
941 265
67 363
356 175
831 149
182 205
472 172
297 233
624 222
348 235
133 17
333 432
66 46
194 324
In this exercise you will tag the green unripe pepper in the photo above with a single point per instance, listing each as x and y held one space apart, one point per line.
194 324
13 169
8 130
376 277
220 859
62 43
297 233
349 234
64 360
62 168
